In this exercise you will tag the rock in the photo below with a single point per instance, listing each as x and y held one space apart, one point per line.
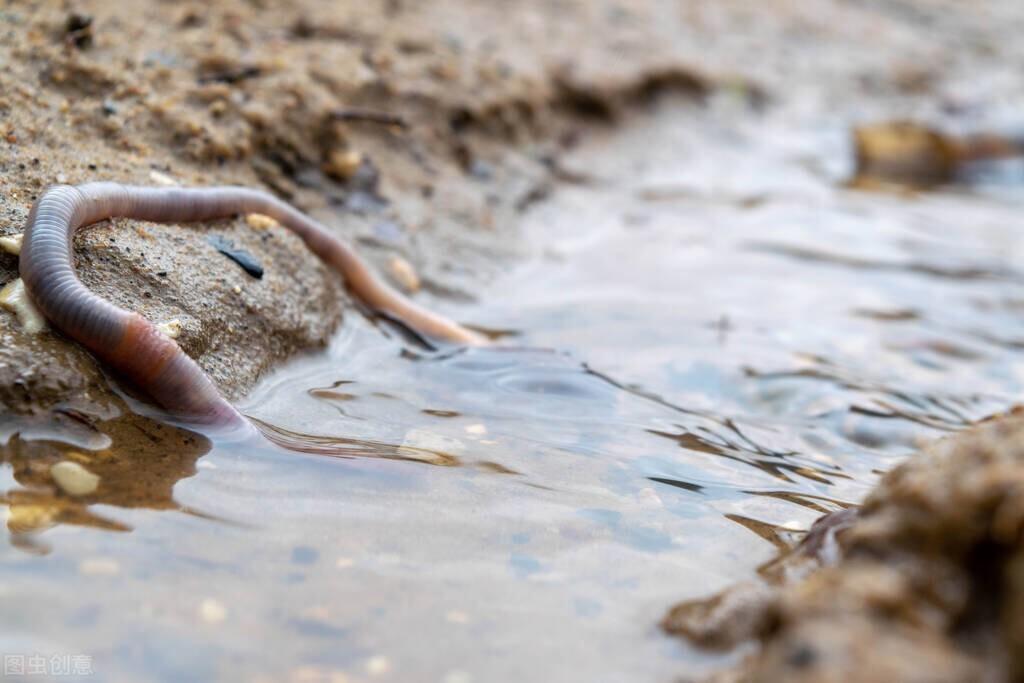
15 299
258 221
343 164
73 479
404 274
926 585
212 611
171 328
11 243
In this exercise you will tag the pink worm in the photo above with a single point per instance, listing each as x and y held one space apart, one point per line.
131 344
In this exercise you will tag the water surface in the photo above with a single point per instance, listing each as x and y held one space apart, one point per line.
713 343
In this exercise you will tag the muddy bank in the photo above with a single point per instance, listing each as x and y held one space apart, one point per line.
923 584
415 131
419 131
391 124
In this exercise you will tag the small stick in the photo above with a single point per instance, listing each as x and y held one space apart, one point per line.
131 344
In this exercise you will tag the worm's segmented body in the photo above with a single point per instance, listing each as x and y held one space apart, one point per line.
131 344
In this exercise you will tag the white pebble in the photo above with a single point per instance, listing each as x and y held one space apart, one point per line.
15 299
378 666
99 566
162 178
73 479
171 328
12 243
404 274
212 611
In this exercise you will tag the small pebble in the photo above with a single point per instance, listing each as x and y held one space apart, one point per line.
457 617
212 611
99 566
23 518
73 479
404 274
378 666
170 329
236 289
14 298
162 178
257 221
343 164
12 243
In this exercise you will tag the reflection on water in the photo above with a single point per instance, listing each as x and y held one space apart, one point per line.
694 379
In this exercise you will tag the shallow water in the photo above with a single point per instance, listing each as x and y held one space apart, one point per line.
714 343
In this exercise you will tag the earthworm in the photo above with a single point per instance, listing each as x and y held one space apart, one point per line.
132 345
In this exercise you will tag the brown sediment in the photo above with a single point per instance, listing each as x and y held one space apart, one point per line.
134 346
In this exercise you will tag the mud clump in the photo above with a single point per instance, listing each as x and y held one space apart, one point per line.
912 155
927 583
